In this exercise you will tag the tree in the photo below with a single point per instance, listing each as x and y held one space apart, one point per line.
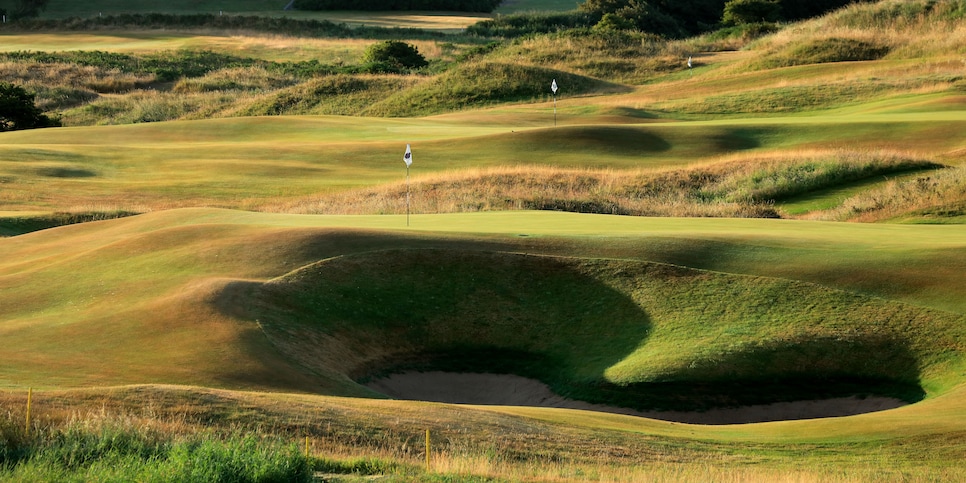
396 54
17 110
26 8
741 12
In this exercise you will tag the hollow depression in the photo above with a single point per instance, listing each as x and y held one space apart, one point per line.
660 340
512 390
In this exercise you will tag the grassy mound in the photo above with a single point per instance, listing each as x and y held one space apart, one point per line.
190 280
634 334
477 84
336 95
826 50
18 225
749 186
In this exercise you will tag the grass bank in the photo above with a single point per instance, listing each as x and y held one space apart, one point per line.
352 439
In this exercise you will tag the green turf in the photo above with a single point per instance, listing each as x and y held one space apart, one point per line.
643 312
246 162
580 301
186 255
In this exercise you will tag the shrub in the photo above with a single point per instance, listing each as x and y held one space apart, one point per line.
741 12
612 21
17 110
395 54
646 16
518 25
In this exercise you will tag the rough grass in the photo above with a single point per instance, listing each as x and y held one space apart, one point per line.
477 84
864 32
336 95
350 439
939 197
634 170
112 448
746 187
867 31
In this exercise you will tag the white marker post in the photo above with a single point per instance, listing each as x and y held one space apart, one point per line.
690 66
553 87
408 159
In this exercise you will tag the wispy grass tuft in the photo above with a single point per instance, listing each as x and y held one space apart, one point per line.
121 449
936 198
743 187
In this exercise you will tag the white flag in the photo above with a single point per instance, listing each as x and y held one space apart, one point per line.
689 62
553 86
408 157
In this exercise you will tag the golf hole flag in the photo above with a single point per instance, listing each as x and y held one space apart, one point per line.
553 86
408 157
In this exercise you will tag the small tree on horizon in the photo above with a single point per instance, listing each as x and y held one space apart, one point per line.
24 8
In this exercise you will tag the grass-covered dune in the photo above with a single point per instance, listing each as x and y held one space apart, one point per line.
588 304
642 335
687 312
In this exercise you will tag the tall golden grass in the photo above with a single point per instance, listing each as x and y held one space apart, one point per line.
371 437
919 30
936 196
910 29
741 186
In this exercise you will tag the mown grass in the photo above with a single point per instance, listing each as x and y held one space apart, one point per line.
191 265
625 348
176 272
712 304
239 164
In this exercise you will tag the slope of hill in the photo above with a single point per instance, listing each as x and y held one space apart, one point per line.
198 315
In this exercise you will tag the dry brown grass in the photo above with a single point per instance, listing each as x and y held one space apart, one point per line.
740 186
909 29
61 86
937 196
387 437
630 60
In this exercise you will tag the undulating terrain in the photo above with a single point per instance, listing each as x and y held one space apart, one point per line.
223 239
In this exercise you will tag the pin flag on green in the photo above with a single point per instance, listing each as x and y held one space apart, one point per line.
553 87
408 159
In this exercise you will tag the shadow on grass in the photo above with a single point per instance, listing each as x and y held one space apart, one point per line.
544 317
804 370
552 319
19 225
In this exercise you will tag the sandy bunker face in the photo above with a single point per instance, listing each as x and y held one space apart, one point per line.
510 390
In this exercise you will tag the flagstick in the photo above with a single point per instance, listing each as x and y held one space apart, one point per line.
407 195
428 467
554 110
30 394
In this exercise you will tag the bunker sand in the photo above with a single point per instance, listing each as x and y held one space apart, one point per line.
512 390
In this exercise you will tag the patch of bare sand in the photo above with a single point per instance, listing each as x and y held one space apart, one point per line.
510 390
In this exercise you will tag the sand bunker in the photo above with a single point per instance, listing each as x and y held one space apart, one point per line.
510 390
